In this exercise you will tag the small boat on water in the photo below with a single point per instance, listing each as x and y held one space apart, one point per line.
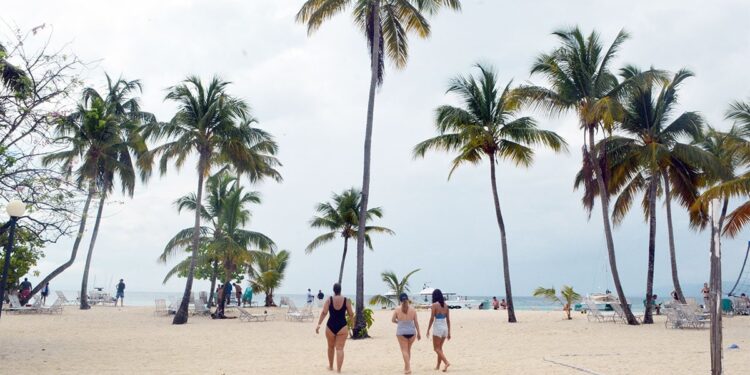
99 296
453 300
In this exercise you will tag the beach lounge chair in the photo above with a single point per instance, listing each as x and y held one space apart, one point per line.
56 307
298 315
595 314
200 308
620 314
250 317
16 307
160 307
63 299
674 319
741 307
690 317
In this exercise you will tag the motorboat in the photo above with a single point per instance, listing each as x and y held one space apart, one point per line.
603 301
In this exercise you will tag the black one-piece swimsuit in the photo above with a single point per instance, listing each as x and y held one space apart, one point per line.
336 318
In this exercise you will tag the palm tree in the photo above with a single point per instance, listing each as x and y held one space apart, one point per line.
386 24
395 285
267 272
218 128
104 134
341 217
580 79
567 297
487 127
650 152
11 76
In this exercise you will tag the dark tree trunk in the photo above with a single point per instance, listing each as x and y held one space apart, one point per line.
715 285
503 242
343 259
76 244
647 317
672 252
85 281
604 198
181 317
360 329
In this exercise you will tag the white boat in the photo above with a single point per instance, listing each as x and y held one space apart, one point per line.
603 301
453 300
99 296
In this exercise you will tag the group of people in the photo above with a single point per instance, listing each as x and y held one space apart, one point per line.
497 305
408 331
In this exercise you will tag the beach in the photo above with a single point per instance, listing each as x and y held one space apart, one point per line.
130 340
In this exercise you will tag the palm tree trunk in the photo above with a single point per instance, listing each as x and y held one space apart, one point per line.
85 281
181 317
715 286
647 317
360 329
76 244
503 242
343 259
670 231
604 197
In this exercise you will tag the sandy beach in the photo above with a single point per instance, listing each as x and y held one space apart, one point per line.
131 340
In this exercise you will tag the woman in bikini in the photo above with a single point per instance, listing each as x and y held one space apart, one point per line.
440 316
407 328
336 330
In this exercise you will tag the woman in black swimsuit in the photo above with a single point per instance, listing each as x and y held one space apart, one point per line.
336 330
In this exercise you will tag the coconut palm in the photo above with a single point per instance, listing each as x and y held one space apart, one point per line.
650 153
580 79
267 272
487 126
567 297
395 285
218 128
341 217
386 25
104 135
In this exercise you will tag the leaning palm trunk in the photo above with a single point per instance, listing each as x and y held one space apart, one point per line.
503 242
181 317
604 197
647 317
84 283
343 259
715 285
672 253
359 330
76 244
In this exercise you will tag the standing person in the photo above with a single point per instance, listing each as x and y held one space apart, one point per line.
248 296
407 327
227 294
336 329
219 288
310 297
320 297
25 289
238 292
120 293
706 294
440 315
45 293
495 303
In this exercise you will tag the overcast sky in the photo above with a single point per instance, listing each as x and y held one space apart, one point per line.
311 94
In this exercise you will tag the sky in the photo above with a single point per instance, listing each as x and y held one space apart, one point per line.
310 92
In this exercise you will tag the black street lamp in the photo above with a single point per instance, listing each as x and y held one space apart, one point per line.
15 209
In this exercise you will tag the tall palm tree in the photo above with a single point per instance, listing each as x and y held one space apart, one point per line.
267 271
487 127
580 79
386 25
395 285
341 218
218 128
647 154
104 134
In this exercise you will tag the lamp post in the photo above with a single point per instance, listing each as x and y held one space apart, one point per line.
15 209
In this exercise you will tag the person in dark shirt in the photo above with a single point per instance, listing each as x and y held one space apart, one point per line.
120 295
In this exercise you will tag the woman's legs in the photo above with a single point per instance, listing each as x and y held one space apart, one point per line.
405 346
436 343
340 341
441 354
331 338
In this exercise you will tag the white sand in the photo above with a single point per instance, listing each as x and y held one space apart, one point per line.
132 340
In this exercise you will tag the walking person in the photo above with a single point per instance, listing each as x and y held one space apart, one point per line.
120 295
706 296
320 298
238 292
25 289
407 327
336 330
45 293
441 318
310 297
